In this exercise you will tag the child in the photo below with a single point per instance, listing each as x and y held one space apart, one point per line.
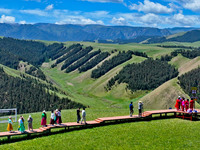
44 119
131 109
10 122
30 123
52 118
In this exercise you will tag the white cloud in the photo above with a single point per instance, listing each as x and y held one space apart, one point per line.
22 22
105 1
78 20
6 11
7 19
119 21
35 12
193 5
151 7
49 7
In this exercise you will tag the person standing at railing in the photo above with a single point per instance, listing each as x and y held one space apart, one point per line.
183 104
30 123
44 119
140 107
191 104
52 118
10 122
59 120
131 109
21 124
186 105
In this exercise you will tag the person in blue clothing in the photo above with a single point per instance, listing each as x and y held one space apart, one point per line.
131 109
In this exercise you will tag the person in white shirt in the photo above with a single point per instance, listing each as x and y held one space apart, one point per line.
83 116
52 118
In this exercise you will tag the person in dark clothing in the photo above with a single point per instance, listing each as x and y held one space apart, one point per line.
78 115
131 109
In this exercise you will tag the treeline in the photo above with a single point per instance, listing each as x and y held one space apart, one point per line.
190 79
73 49
29 95
14 50
141 54
93 62
82 61
36 72
146 75
111 63
193 53
75 57
175 46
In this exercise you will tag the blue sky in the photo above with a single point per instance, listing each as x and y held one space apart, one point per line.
148 13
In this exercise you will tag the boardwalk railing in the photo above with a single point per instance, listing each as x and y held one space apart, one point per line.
148 115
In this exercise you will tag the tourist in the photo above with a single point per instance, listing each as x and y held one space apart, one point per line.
52 118
140 107
186 105
44 119
183 104
30 123
83 116
10 122
59 120
191 104
131 109
78 115
56 116
178 103
21 124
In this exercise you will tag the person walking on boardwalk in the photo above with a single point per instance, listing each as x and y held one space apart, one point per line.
30 123
178 103
21 124
83 116
186 105
131 109
59 120
191 104
10 122
140 107
56 116
183 104
44 119
78 111
52 118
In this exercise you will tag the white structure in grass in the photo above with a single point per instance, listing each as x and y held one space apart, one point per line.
13 111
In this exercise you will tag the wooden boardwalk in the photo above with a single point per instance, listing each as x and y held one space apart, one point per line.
106 120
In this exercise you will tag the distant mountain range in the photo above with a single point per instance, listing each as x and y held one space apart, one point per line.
69 32
190 36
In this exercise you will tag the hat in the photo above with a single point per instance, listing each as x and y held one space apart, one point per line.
179 96
29 115
9 117
140 101
56 109
43 111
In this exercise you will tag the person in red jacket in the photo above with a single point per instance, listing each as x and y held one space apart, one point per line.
191 104
186 105
178 103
